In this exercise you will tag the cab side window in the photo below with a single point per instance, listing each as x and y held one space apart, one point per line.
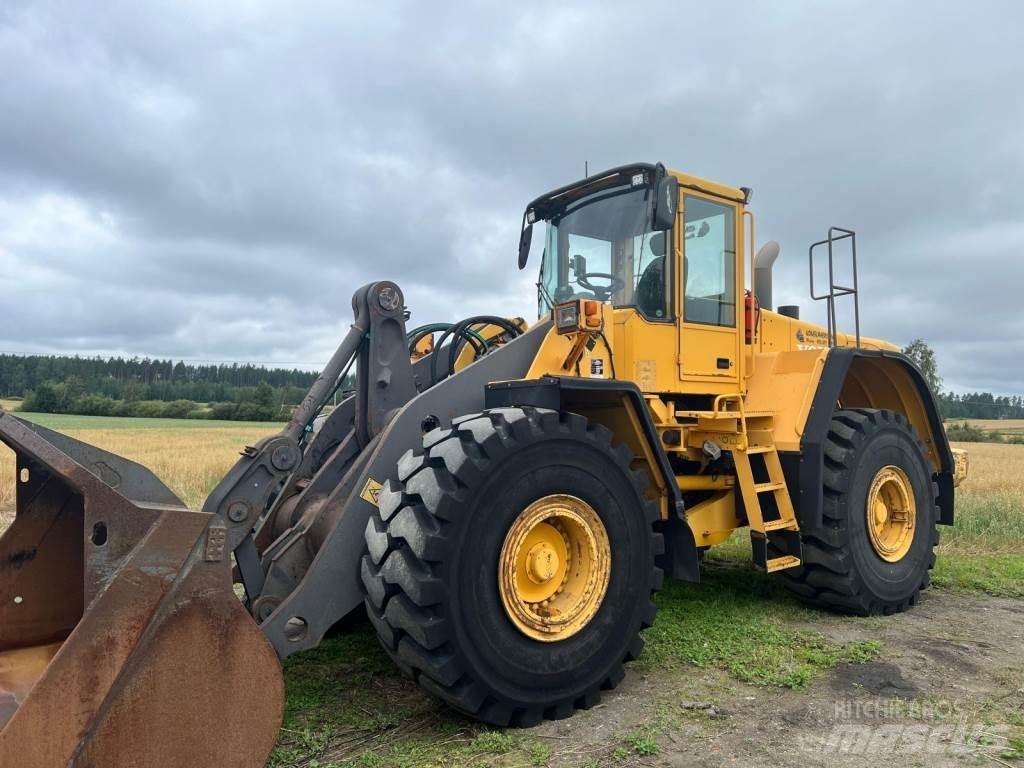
709 263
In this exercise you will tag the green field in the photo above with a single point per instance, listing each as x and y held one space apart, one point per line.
64 422
69 422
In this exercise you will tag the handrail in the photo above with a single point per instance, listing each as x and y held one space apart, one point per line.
836 290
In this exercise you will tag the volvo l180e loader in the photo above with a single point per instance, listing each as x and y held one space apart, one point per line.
503 499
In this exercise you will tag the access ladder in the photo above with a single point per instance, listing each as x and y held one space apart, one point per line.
774 531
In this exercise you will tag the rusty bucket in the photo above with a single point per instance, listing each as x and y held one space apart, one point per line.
122 642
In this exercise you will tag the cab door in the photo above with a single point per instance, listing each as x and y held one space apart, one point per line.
709 338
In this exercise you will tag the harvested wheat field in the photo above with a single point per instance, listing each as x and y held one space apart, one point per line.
190 456
999 425
734 665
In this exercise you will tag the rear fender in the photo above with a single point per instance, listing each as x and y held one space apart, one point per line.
863 378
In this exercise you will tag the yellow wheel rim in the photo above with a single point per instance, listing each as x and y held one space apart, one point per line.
555 567
892 514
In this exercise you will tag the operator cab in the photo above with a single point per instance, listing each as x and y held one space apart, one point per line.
604 240
667 246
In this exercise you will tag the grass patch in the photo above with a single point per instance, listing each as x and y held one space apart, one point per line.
492 743
1000 575
1015 749
984 550
742 622
985 524
642 744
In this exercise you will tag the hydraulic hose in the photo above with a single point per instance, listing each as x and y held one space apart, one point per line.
457 330
416 335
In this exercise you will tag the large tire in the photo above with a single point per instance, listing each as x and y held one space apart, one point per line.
842 569
431 572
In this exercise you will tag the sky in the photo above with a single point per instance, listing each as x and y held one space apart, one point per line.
213 180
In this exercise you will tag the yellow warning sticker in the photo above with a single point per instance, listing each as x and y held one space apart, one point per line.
371 491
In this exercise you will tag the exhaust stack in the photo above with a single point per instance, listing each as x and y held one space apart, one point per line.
763 264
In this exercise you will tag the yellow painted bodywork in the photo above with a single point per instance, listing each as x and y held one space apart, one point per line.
775 376
714 519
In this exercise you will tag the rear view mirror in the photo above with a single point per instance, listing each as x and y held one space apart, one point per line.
666 203
525 240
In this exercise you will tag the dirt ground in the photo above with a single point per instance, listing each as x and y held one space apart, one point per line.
947 689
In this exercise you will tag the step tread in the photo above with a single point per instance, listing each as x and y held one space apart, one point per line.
724 414
781 563
781 525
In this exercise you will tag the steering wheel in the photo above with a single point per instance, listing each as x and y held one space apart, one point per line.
601 292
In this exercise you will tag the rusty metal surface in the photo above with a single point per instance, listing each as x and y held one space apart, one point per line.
121 640
41 555
204 685
20 668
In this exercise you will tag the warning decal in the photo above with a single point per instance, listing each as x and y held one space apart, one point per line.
371 491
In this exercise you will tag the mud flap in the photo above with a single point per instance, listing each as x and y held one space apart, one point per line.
122 642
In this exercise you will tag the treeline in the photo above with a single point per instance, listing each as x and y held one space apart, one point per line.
259 403
981 405
94 386
145 379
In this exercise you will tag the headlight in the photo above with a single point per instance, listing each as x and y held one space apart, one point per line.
573 316
567 317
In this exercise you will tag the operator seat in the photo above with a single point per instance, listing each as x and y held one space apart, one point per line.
650 289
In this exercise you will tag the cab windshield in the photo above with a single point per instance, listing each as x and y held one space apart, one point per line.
603 247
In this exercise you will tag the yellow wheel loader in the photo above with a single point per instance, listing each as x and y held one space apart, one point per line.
504 500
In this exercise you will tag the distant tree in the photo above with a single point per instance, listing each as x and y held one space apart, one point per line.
46 398
19 380
133 392
924 357
265 397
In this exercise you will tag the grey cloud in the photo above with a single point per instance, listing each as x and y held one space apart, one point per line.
225 174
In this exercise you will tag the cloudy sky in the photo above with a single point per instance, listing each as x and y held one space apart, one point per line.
212 180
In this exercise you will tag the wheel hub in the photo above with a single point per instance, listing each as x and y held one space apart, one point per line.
892 513
555 567
542 563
